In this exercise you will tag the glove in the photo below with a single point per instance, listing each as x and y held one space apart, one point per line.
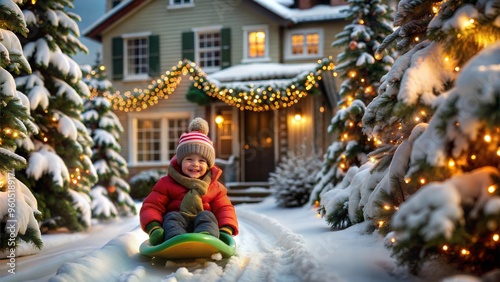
155 233
226 229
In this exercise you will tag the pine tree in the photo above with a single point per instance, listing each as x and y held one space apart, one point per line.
59 172
361 70
17 203
437 115
294 178
110 196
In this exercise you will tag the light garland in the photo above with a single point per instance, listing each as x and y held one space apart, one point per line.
245 98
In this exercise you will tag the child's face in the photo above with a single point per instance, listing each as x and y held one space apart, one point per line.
194 166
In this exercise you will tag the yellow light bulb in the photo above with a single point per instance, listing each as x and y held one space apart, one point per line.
491 189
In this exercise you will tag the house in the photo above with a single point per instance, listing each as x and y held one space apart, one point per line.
250 67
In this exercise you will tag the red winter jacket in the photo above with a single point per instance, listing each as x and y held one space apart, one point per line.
167 196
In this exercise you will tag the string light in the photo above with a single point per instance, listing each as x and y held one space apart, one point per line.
252 97
491 189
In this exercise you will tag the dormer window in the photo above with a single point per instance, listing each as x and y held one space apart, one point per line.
174 4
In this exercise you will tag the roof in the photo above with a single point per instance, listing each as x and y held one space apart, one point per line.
261 71
260 75
277 8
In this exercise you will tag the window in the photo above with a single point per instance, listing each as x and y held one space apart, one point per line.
225 134
154 138
136 57
209 50
305 44
208 47
174 4
148 140
115 3
256 43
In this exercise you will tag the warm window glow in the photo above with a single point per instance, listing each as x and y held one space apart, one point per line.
312 41
297 44
256 44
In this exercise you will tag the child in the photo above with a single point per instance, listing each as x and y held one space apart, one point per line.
190 198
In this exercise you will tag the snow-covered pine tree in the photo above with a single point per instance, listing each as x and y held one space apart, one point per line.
293 180
17 203
361 70
110 196
59 172
449 166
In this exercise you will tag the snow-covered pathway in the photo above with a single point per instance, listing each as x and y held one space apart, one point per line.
266 251
274 244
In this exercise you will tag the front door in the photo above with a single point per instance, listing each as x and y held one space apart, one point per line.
258 146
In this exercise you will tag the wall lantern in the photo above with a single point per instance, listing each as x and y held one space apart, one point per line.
298 115
219 119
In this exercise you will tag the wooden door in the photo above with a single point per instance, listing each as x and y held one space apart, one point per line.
258 145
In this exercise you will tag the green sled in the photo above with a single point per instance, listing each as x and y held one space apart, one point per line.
191 246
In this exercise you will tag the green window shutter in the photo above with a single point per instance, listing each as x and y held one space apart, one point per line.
188 46
117 57
226 48
154 55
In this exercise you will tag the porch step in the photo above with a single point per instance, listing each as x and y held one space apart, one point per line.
247 192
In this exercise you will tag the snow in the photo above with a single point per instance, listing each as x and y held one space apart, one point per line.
45 160
274 244
260 71
316 13
279 7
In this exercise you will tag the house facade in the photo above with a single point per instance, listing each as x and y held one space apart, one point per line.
255 69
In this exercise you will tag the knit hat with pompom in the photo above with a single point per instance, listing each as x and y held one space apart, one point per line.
196 141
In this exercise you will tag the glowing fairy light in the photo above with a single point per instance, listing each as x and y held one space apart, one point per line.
496 237
445 248
492 189
487 138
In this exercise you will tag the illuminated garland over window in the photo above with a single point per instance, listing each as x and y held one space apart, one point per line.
244 98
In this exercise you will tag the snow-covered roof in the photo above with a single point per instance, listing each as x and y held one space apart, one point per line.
278 7
316 13
260 71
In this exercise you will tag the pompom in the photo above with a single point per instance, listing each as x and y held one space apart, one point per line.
200 125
